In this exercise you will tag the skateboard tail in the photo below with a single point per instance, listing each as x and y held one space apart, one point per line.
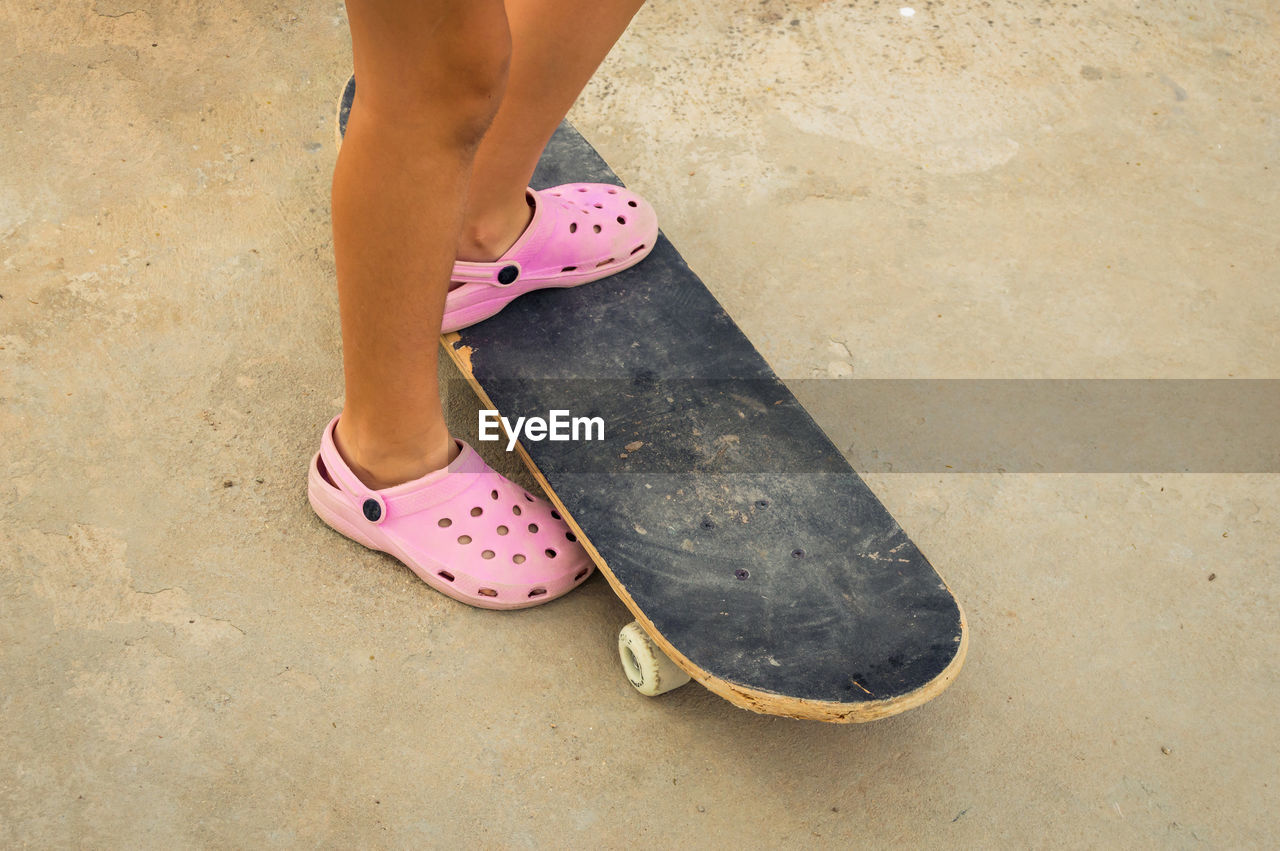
743 696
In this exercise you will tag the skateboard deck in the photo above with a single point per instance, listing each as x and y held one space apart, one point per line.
744 544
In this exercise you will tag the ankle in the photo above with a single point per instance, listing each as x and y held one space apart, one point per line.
487 235
380 463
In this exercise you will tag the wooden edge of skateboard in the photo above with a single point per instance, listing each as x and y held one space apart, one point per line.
763 702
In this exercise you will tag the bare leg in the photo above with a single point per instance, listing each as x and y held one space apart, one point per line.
431 77
556 47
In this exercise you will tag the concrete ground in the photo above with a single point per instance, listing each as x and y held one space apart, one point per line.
986 188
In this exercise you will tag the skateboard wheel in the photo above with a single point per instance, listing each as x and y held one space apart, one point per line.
647 667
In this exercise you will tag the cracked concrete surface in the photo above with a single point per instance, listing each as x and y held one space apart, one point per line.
982 189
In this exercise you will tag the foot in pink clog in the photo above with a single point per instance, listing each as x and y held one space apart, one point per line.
465 530
580 232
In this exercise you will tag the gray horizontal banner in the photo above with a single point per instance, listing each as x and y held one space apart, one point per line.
920 425
1050 426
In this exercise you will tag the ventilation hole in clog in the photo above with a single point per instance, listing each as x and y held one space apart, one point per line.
571 536
444 574
502 530
604 262
557 194
631 203
445 523
555 514
598 206
595 228
637 249
528 497
487 554
580 574
533 528
537 592
550 553
613 192
518 558
622 220
488 592
569 269
573 227
493 494
477 511
464 539
515 509
582 189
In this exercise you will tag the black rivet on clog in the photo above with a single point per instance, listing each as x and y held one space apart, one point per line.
508 274
372 511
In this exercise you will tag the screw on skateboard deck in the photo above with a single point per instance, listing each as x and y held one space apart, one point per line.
754 558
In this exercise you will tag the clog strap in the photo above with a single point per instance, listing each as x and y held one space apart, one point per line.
410 497
500 273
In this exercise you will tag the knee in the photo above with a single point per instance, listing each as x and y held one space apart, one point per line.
468 81
450 85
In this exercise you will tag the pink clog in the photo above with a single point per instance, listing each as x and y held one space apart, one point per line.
466 530
580 232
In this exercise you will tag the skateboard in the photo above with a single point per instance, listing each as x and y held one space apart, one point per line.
754 559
